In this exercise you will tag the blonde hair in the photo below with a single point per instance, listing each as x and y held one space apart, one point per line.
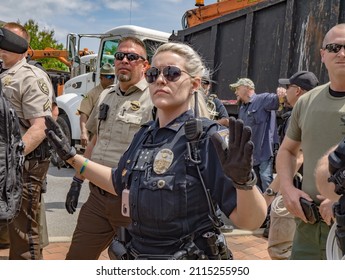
194 64
202 107
195 67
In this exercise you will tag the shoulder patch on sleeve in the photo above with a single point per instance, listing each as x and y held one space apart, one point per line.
43 86
224 133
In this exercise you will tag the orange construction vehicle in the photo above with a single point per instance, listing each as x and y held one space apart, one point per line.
205 13
61 55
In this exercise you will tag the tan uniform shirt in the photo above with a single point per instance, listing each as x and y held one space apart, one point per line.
125 115
29 90
90 100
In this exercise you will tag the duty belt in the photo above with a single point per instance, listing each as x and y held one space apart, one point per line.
214 248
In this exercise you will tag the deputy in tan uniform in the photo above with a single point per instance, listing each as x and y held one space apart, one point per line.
30 92
107 77
122 109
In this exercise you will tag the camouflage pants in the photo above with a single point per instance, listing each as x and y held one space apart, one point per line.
24 231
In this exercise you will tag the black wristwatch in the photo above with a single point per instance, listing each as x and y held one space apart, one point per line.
270 192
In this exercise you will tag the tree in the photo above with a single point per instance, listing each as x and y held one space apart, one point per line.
41 39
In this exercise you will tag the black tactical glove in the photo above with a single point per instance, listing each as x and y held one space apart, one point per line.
237 157
73 195
336 166
58 139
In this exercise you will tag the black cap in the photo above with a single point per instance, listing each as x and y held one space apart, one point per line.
304 79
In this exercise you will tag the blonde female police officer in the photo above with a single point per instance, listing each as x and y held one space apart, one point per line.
171 166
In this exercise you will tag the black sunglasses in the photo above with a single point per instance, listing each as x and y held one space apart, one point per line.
130 56
290 86
170 73
109 77
333 48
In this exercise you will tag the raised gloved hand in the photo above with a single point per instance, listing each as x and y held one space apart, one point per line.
237 157
336 166
73 195
58 139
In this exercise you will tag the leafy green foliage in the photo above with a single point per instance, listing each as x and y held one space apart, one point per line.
44 38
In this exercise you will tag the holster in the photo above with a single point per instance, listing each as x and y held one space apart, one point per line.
339 214
117 250
41 152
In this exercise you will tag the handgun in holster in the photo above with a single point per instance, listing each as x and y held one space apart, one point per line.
117 249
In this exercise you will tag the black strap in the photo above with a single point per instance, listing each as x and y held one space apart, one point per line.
216 221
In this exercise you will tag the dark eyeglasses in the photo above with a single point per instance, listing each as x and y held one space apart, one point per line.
130 56
109 77
205 82
333 48
291 86
170 73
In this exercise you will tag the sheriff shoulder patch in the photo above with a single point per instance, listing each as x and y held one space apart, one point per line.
43 86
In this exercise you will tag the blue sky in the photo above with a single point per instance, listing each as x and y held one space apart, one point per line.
97 16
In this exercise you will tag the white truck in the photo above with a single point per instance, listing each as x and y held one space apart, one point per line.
85 71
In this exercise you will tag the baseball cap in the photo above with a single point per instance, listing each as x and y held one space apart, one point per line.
242 82
304 79
107 69
206 77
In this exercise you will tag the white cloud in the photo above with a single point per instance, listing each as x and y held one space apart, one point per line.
12 10
121 5
96 16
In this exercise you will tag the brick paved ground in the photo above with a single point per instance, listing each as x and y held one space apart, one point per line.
243 246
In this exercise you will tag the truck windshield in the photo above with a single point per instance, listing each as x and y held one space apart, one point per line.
108 51
110 47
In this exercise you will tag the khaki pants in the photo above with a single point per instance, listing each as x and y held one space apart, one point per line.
282 230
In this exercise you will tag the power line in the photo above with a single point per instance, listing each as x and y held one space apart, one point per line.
130 13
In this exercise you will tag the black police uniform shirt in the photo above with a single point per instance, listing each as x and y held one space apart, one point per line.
167 200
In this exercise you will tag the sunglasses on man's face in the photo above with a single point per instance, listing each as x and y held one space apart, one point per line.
170 73
130 56
109 77
334 48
